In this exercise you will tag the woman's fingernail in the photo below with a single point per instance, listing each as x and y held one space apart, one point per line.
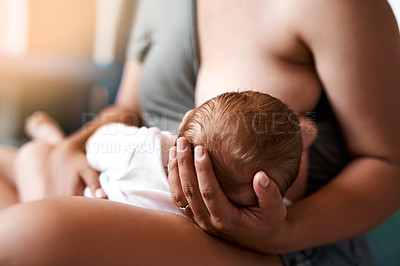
199 153
99 193
263 179
172 153
181 145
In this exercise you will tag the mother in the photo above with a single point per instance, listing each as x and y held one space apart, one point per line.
337 59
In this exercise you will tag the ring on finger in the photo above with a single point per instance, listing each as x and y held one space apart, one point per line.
186 208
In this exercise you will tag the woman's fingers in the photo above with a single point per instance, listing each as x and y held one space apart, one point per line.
174 180
214 197
269 197
193 182
188 178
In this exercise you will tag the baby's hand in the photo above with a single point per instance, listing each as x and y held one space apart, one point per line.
71 172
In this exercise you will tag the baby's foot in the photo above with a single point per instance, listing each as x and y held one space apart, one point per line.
40 126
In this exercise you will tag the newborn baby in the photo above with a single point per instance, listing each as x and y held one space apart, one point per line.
244 132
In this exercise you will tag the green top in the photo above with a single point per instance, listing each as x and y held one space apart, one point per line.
163 39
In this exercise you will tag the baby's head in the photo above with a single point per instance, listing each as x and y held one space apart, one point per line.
246 132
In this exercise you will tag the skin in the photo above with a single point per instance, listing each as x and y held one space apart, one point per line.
352 63
309 133
8 193
241 193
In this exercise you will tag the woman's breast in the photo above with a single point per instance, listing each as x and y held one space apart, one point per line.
295 84
254 46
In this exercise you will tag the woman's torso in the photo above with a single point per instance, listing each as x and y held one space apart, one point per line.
254 45
198 51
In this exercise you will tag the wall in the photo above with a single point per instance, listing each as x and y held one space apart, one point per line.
46 59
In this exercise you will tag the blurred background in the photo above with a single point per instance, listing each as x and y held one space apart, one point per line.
61 56
65 57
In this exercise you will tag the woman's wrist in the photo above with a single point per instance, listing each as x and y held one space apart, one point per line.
285 238
281 242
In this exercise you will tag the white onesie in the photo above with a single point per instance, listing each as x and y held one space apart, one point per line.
130 162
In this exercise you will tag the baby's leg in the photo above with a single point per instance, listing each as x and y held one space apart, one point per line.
8 192
40 126
16 183
31 179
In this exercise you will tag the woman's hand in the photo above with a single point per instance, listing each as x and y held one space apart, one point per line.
263 228
70 172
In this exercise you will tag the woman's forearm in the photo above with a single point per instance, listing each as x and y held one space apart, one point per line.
362 196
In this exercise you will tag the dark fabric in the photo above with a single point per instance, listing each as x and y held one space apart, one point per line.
354 251
327 155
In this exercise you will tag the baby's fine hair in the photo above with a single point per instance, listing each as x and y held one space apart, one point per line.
246 132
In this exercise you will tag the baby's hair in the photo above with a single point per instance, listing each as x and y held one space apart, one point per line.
246 132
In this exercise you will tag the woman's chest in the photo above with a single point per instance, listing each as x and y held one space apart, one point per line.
253 45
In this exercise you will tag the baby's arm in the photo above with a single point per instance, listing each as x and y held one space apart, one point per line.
309 133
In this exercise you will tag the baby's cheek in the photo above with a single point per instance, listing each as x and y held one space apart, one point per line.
309 132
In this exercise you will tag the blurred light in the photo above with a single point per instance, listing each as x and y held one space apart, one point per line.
98 98
10 94
14 18
107 18
396 9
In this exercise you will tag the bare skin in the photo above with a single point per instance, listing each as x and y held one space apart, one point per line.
68 172
311 56
290 59
265 61
309 133
45 133
140 246
44 129
8 192
41 127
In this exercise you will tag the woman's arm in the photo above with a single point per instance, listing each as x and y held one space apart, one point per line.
356 49
68 167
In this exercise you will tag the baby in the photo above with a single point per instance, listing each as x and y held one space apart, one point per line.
244 132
